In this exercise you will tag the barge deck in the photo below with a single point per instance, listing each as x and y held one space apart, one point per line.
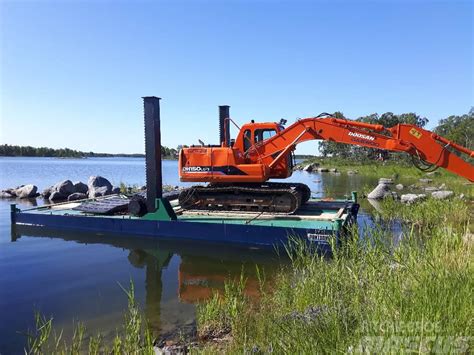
316 223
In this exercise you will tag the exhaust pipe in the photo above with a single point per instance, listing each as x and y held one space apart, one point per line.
224 125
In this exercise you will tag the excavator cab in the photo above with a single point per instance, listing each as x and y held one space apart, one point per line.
252 133
251 136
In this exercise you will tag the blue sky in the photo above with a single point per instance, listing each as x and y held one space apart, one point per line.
73 72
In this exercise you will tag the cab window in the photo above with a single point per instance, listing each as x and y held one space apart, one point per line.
262 134
247 139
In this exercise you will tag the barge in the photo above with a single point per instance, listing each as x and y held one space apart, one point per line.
319 222
316 222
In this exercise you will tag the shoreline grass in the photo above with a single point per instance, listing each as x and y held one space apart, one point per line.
133 336
374 295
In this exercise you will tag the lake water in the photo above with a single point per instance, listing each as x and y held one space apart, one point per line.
73 279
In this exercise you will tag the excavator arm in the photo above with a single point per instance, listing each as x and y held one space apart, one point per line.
428 149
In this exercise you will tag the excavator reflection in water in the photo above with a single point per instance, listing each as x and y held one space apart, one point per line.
201 272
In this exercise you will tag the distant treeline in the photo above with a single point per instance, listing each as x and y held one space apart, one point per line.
7 150
304 156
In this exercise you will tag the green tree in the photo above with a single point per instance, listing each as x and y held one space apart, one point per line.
459 129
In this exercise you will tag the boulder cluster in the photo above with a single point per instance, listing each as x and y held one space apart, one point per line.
22 191
384 190
65 190
315 168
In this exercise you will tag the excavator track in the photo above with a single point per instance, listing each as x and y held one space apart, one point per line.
268 197
303 189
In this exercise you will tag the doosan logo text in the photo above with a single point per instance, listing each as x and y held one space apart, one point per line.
363 136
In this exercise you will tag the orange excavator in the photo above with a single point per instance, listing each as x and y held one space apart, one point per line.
238 171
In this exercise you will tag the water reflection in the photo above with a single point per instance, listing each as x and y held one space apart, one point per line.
153 261
176 276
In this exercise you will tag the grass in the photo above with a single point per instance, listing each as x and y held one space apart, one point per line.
431 214
133 338
220 314
374 295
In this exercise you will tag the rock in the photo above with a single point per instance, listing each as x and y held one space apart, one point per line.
100 191
461 196
333 170
173 349
442 186
12 191
425 181
399 186
442 195
309 315
57 196
26 191
6 194
115 190
47 192
80 187
323 170
308 168
431 188
77 196
352 172
65 187
380 192
99 186
468 238
376 204
412 198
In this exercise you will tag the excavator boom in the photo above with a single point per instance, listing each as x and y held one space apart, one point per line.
425 146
